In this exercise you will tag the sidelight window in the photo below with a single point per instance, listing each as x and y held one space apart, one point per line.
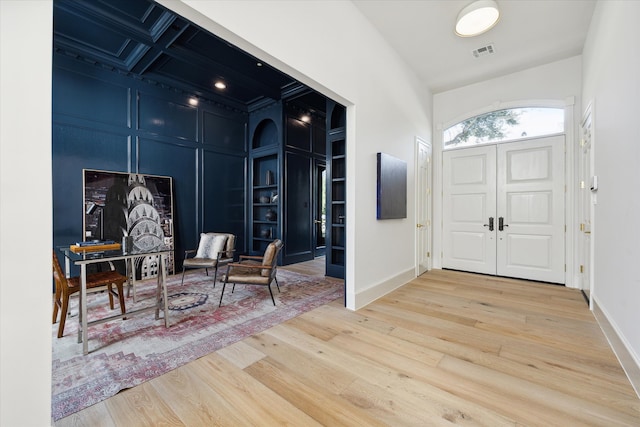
505 125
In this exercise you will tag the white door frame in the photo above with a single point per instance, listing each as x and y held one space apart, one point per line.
423 207
476 190
587 203
571 179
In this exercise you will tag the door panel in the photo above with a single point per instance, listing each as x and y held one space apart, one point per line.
531 200
423 206
469 187
298 232
584 238
520 186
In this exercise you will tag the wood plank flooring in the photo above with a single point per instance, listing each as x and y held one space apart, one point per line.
447 348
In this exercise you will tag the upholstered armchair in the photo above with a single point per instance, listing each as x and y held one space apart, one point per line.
254 270
214 250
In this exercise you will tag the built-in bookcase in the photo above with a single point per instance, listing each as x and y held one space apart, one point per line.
336 190
265 210
265 200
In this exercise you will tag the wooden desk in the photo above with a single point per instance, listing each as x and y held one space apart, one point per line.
83 259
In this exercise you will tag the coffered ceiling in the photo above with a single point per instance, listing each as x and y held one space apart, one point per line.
143 39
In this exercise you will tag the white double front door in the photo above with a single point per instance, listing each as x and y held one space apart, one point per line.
503 209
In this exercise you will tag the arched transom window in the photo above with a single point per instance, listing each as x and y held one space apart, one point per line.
505 125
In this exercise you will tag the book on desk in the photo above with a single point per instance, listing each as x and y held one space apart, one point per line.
94 246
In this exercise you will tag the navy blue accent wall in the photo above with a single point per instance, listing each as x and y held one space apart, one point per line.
109 121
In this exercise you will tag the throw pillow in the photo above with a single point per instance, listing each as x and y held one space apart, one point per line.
206 240
210 245
217 246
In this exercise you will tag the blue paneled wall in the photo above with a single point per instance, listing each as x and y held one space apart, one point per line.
109 121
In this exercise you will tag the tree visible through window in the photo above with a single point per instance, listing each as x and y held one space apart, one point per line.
505 125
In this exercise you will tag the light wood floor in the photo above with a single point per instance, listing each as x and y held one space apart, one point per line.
446 348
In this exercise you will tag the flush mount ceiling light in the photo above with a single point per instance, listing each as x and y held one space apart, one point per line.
478 17
220 85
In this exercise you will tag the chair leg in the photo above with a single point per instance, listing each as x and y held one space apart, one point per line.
55 312
276 279
224 284
56 304
215 276
123 309
183 269
63 314
110 292
206 270
274 301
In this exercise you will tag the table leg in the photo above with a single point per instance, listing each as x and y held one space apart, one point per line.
133 279
158 295
161 292
83 307
131 276
163 273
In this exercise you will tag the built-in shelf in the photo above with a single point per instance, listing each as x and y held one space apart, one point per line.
265 186
336 190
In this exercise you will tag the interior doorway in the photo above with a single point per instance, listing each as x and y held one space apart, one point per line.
503 209
320 208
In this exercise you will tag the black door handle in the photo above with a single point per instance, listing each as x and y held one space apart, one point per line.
490 225
501 224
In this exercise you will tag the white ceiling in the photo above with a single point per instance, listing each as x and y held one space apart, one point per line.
529 33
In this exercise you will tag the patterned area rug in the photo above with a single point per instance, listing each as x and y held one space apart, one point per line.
126 353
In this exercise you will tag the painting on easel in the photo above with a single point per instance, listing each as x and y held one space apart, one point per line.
138 206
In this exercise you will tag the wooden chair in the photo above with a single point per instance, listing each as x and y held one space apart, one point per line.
214 250
67 286
254 270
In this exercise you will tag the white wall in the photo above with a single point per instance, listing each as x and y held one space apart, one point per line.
555 83
327 45
332 48
25 207
612 83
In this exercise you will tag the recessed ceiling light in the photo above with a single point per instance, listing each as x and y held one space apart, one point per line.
193 101
259 64
477 18
220 85
306 118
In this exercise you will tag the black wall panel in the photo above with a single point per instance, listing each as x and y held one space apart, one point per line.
97 125
319 139
164 117
76 148
90 97
223 187
298 244
222 132
180 163
298 134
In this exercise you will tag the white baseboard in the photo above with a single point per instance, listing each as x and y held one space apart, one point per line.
625 356
367 296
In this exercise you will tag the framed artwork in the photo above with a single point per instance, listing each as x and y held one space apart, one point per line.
139 206
391 187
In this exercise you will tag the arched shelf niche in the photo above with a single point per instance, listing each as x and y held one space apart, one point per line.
265 135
